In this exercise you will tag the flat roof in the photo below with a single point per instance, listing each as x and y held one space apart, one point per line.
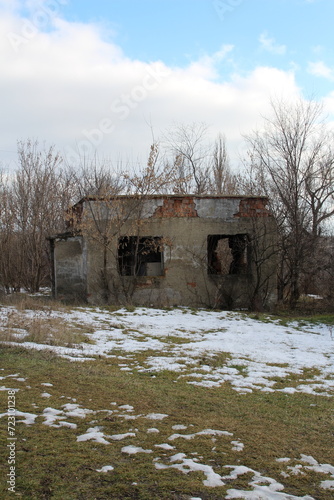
156 196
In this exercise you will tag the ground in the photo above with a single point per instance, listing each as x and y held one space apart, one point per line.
166 404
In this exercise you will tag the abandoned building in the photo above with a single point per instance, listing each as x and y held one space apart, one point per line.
168 250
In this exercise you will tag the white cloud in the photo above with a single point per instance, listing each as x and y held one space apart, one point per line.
270 45
320 69
69 87
206 66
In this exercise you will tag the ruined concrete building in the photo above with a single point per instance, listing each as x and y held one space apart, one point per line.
167 250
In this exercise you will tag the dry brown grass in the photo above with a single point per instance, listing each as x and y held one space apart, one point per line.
55 331
23 301
42 327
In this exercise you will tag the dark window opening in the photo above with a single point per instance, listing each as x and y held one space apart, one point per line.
140 256
227 254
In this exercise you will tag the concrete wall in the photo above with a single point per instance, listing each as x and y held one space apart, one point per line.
70 277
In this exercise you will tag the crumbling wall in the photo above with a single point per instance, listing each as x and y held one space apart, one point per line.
185 226
177 207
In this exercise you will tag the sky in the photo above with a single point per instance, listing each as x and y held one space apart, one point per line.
105 79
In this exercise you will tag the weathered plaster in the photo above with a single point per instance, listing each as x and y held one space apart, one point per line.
217 208
184 224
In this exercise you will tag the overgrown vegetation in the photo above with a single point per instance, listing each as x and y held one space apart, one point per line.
291 160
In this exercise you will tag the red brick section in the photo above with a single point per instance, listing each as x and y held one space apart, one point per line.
177 207
253 207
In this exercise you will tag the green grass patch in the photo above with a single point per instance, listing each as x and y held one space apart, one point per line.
242 369
287 317
296 379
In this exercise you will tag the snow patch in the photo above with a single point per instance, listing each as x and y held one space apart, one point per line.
132 450
188 464
93 434
156 416
105 468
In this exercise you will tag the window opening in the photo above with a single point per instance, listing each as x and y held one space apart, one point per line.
140 256
227 254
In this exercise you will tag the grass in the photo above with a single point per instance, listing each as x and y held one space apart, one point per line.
174 340
23 301
296 379
214 360
43 328
52 464
286 318
242 369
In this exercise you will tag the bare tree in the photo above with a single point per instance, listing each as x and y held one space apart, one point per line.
292 163
97 177
264 251
10 246
40 193
157 177
223 181
201 167
113 225
191 154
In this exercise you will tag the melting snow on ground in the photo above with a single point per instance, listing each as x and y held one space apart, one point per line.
203 348
257 353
